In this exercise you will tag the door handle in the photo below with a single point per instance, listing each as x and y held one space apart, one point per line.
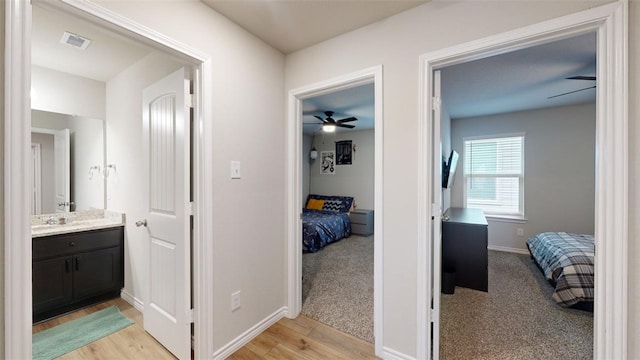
142 222
77 264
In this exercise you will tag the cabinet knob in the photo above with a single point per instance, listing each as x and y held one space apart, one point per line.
73 243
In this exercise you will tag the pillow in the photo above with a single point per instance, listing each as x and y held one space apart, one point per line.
315 204
332 205
332 202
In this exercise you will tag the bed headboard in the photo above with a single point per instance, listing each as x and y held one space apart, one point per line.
332 202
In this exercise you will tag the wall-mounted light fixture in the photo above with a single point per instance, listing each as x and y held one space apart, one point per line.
313 154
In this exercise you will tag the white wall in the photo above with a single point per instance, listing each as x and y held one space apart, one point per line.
396 43
248 121
66 94
356 180
559 161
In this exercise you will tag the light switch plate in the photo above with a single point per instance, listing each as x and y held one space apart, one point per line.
235 169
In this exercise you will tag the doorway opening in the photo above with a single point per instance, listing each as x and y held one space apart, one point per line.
337 265
611 184
296 201
527 162
18 334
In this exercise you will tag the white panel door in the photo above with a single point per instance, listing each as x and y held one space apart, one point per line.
62 170
166 148
436 208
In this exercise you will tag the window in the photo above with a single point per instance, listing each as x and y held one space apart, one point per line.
494 175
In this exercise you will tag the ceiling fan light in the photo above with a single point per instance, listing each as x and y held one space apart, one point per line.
328 128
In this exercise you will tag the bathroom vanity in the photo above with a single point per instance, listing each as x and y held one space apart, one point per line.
76 264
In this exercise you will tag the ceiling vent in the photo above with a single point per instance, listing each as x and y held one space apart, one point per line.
74 40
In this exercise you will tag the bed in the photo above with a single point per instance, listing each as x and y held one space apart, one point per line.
325 219
566 260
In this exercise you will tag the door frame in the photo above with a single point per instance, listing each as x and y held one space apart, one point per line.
17 151
294 188
610 22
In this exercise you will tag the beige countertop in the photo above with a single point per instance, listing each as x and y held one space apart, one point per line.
75 222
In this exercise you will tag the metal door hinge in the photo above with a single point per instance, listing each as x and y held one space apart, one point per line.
433 314
190 316
189 100
435 211
191 208
435 103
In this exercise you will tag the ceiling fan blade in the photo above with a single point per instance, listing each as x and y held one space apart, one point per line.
345 126
346 120
571 92
592 78
319 118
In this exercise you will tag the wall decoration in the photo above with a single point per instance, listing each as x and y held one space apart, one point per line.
343 152
327 163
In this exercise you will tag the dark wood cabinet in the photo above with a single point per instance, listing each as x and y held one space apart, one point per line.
464 247
77 269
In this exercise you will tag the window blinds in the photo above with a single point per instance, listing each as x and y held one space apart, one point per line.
493 175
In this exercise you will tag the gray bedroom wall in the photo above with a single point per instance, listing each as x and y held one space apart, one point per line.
355 180
559 163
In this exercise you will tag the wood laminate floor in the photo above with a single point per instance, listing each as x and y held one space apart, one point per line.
131 342
300 338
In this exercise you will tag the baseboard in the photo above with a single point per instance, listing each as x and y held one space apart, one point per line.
249 335
132 300
390 354
508 249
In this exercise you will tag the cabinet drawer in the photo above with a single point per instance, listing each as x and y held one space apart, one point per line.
361 217
361 229
68 244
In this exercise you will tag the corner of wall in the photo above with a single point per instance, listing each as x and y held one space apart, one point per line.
2 17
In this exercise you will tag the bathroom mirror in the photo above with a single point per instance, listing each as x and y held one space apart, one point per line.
68 162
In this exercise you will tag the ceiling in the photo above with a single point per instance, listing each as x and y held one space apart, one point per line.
522 80
356 101
107 55
290 25
514 81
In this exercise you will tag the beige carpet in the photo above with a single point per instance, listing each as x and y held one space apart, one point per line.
516 319
337 286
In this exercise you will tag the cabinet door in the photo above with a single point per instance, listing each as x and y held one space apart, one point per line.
52 284
97 272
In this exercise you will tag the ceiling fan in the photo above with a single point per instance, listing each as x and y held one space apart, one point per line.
329 124
580 77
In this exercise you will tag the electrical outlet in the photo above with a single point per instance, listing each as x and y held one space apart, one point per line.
235 301
520 232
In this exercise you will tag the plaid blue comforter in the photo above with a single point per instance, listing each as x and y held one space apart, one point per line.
320 228
566 259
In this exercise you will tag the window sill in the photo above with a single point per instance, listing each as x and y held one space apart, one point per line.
508 219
